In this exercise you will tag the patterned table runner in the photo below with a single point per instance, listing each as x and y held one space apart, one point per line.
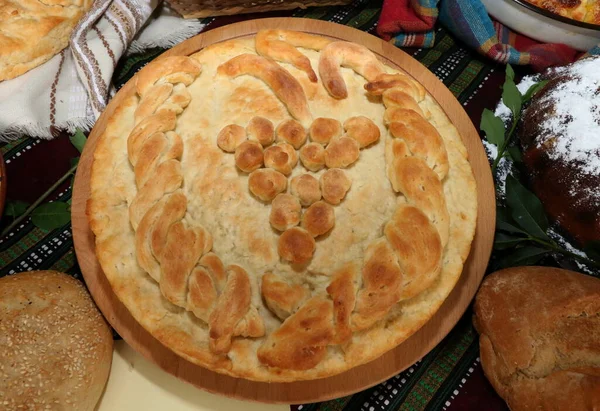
448 378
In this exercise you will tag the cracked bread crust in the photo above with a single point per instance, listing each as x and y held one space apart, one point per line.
540 337
296 277
32 32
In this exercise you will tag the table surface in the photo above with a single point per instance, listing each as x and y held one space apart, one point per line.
450 377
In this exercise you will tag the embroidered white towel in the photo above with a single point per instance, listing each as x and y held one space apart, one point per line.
72 89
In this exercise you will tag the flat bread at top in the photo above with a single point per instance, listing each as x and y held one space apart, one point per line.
33 31
282 207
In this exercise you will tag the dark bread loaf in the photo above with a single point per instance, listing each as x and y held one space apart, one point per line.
55 347
540 337
560 137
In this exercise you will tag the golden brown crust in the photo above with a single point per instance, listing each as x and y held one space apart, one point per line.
344 54
158 122
178 100
177 262
382 279
53 335
386 81
233 304
301 341
399 149
412 177
169 245
342 291
159 147
417 244
262 130
231 137
175 69
167 179
266 183
363 130
150 232
296 245
283 84
215 267
152 100
540 337
423 140
283 299
281 157
291 132
32 32
281 45
285 212
318 219
342 152
334 185
323 130
202 295
249 156
306 188
395 98
312 156
200 190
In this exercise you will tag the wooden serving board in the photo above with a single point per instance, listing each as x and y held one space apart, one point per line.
351 381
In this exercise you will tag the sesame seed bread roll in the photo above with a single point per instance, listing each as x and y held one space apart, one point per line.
56 347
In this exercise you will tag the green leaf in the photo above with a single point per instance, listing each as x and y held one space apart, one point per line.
502 214
493 127
510 73
511 97
526 209
592 249
508 227
51 215
527 255
15 209
78 140
515 154
503 241
533 90
504 222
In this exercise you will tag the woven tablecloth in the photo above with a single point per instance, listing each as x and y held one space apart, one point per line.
450 377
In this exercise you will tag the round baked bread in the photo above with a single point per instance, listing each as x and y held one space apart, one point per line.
560 136
33 31
56 347
255 278
540 337
587 11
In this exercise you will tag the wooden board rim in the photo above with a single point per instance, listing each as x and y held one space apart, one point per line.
358 378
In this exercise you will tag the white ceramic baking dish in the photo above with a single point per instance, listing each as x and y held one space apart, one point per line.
543 25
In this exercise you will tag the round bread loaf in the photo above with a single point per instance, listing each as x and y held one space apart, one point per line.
56 347
540 337
560 136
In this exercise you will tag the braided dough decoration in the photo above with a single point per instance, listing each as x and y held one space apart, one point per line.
344 54
281 45
407 259
278 227
169 248
283 84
